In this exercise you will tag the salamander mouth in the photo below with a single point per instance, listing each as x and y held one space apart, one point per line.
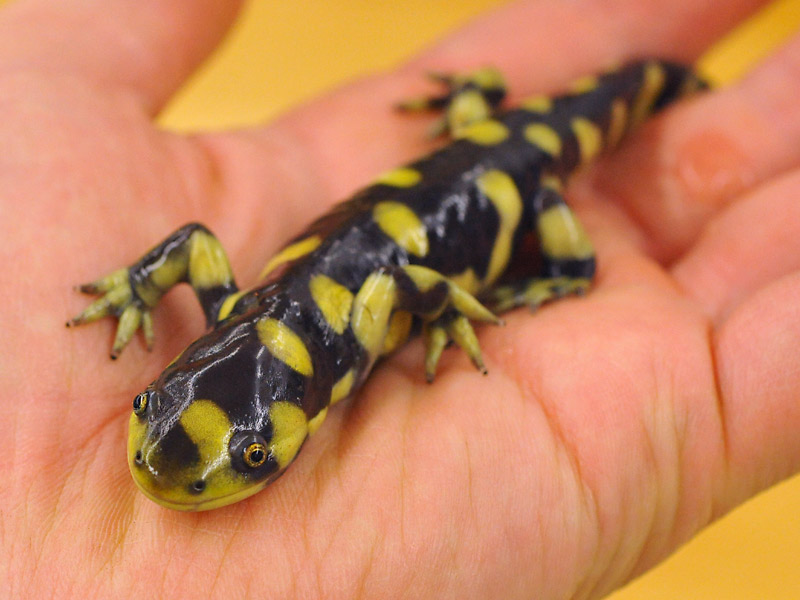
209 503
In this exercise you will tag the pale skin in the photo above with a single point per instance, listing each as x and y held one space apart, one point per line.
610 428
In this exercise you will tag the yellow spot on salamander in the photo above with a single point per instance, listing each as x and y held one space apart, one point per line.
341 389
500 189
538 104
617 122
209 428
485 133
228 304
399 329
400 223
653 82
544 137
589 136
292 252
208 265
285 345
289 430
333 300
315 423
583 85
372 307
562 235
402 177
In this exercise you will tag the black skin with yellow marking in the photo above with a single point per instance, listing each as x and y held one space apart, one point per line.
481 218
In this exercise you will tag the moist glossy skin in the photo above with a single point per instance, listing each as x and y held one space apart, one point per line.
481 219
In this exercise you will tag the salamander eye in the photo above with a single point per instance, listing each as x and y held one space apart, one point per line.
249 451
254 455
140 404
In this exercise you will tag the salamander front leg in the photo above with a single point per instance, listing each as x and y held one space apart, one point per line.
192 254
468 99
444 307
451 326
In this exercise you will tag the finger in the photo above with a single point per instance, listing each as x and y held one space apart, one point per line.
308 147
756 355
754 241
145 48
683 168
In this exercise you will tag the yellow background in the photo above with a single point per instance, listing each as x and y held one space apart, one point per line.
281 53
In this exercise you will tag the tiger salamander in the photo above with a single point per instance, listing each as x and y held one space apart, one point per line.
426 247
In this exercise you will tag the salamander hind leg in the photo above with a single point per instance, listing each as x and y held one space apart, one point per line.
191 254
535 292
445 309
468 99
568 261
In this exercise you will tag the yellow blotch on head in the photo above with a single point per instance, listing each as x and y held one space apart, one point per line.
401 224
589 136
538 104
653 82
285 345
402 177
289 429
291 252
333 300
209 428
485 133
500 189
208 264
562 235
341 389
544 137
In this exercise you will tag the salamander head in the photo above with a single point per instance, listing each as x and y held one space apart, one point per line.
207 432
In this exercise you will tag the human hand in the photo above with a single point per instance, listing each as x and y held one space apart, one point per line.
610 429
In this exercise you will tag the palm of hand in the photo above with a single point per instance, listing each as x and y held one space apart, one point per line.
609 429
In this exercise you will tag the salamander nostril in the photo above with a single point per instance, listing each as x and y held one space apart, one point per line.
198 486
138 457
